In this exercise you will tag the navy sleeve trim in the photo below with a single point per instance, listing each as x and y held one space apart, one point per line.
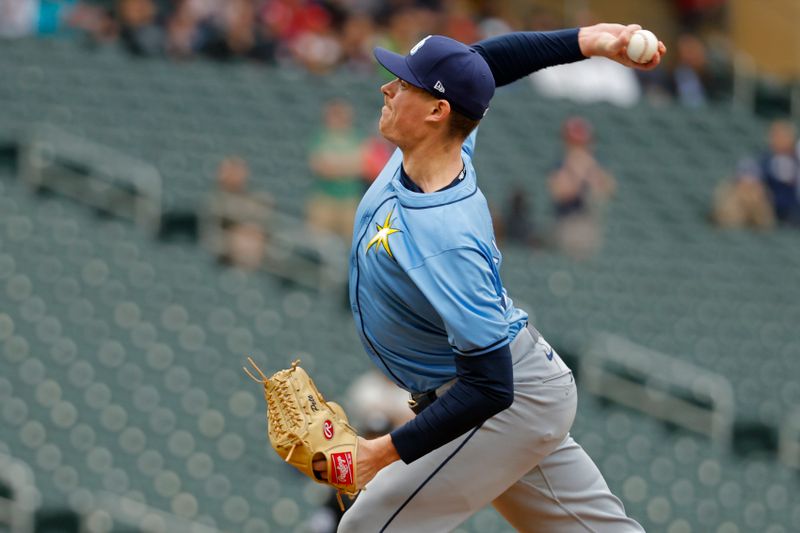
479 350
485 386
518 54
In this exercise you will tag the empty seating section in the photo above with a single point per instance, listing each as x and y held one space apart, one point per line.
120 356
122 373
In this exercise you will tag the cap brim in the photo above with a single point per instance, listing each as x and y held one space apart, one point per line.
396 64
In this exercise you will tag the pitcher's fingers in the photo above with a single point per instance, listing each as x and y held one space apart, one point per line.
628 32
653 63
619 42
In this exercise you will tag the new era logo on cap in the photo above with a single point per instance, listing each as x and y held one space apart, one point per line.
437 62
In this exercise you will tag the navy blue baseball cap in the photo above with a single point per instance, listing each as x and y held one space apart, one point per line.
446 69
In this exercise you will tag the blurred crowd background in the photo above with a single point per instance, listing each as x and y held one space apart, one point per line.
178 180
716 58
323 36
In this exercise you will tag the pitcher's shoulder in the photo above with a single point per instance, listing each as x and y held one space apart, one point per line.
463 224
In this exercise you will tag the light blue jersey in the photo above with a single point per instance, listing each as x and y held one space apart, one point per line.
425 278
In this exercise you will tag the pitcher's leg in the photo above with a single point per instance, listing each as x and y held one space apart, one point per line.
421 496
442 489
565 493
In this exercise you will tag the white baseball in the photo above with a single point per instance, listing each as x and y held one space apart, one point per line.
642 46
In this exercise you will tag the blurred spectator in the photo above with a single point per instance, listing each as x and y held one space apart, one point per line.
183 31
702 74
97 22
358 40
579 181
694 14
766 188
404 29
52 15
288 19
140 31
580 187
335 158
495 19
304 32
690 73
743 202
18 18
234 226
459 22
232 32
697 80
317 48
516 222
656 85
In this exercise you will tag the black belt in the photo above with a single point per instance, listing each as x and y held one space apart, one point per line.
421 400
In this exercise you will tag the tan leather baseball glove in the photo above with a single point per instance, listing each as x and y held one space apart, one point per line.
304 428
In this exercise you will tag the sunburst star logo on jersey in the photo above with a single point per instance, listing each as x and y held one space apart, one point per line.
382 237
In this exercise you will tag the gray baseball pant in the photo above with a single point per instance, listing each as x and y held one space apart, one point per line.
523 461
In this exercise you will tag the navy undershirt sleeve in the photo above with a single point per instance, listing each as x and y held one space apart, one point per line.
518 54
485 386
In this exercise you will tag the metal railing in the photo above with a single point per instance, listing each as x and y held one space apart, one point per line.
91 173
660 385
315 259
789 441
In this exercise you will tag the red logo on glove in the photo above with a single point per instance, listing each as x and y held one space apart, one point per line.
327 429
342 468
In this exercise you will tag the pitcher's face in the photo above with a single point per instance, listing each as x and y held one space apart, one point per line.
404 111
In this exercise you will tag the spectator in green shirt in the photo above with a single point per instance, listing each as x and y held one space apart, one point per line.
336 159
